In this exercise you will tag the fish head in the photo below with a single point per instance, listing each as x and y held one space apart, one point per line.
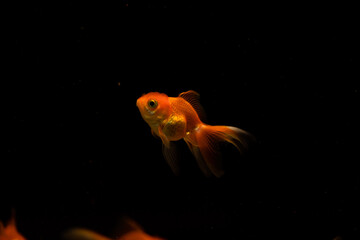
154 107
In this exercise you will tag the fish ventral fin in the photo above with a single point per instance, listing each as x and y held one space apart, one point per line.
171 156
199 159
163 137
193 98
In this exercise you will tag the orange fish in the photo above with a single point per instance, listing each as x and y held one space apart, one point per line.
131 231
10 232
175 118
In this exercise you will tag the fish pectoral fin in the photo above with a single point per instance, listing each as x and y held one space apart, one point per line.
172 158
193 98
163 137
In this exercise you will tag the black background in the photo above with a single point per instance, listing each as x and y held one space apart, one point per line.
78 153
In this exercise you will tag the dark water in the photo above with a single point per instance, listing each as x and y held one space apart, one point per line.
78 154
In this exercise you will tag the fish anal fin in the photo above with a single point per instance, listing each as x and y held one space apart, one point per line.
193 98
211 156
199 159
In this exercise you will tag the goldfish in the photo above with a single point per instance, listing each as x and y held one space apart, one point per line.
175 118
131 231
9 232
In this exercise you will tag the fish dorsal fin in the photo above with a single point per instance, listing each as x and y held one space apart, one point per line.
82 234
2 228
126 225
193 98
12 223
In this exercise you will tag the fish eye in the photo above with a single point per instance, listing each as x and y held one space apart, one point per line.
152 103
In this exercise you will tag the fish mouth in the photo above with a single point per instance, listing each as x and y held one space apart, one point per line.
137 102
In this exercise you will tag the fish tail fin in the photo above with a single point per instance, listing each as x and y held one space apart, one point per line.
208 138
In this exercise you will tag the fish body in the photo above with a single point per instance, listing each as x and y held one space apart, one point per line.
176 118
